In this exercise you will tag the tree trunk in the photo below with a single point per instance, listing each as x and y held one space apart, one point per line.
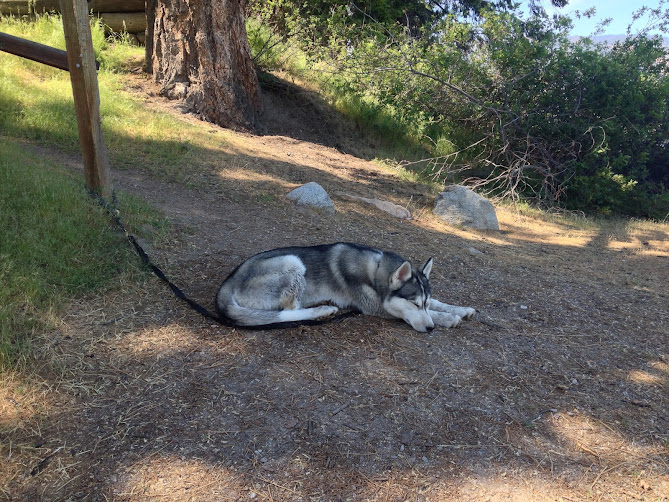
201 54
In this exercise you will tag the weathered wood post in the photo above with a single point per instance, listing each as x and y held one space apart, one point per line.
81 62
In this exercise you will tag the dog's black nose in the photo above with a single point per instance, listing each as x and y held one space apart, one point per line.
429 328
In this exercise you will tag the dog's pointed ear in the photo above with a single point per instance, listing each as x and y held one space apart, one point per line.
427 268
400 276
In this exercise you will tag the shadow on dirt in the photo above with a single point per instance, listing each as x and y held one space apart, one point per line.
561 380
555 381
291 110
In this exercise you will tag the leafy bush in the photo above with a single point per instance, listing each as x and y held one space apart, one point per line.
513 104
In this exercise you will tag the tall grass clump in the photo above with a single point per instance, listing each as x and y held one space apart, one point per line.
271 51
289 53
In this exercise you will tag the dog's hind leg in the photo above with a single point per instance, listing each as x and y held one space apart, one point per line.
306 314
274 294
463 312
245 316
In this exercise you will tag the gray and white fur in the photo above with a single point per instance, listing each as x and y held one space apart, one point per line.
306 283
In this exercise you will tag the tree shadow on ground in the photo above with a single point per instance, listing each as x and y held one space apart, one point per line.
293 111
555 388
564 369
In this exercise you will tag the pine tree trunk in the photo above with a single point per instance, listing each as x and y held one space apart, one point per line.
200 53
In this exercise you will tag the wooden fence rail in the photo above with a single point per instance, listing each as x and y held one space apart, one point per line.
117 15
34 51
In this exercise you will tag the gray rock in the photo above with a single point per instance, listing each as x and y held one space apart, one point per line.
459 205
474 251
312 195
384 205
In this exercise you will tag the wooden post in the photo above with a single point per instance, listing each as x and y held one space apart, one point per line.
81 62
150 9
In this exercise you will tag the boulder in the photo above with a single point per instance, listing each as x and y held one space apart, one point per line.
459 205
312 195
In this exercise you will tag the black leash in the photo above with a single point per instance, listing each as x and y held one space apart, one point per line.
113 211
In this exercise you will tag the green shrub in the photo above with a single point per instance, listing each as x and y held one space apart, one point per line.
524 110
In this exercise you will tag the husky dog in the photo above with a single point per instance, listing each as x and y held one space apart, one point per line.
293 284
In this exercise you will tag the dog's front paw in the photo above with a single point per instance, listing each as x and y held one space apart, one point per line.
445 319
467 312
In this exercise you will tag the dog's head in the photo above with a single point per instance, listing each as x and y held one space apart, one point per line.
409 295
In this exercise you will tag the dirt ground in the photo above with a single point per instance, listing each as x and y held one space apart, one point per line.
557 390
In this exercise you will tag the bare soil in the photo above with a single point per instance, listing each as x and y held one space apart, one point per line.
557 390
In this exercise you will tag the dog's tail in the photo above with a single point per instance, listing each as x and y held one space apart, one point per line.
249 317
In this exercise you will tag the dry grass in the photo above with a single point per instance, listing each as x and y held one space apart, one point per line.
558 390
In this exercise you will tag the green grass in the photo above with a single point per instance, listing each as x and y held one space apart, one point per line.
36 104
56 243
270 52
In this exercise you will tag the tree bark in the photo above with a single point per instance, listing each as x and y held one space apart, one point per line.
201 54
